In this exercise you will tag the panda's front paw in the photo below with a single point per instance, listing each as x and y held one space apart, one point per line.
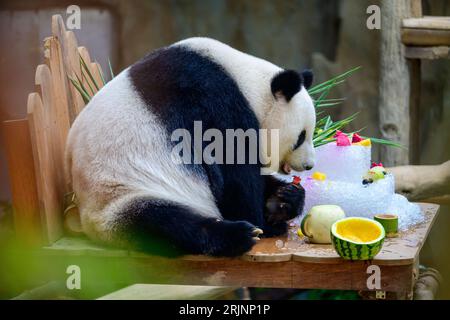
286 204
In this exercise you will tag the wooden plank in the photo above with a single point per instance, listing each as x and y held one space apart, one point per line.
350 276
73 70
402 250
59 32
429 53
427 23
312 266
50 201
19 156
437 17
71 61
167 292
218 272
267 251
100 270
58 111
425 37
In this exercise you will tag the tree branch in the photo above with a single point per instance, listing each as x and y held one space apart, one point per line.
419 183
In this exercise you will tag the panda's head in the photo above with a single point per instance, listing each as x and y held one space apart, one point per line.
278 97
293 114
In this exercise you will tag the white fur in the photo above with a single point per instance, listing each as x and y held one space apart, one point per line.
253 77
117 150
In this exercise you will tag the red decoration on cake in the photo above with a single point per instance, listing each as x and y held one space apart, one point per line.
296 180
374 164
356 138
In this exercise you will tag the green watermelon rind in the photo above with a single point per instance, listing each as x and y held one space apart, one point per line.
350 250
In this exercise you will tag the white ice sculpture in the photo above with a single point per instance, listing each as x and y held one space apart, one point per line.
345 167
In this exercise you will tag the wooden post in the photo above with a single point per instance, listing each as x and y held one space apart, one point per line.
416 8
27 220
394 87
415 93
414 100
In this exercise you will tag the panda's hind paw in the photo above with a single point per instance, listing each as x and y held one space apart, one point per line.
232 238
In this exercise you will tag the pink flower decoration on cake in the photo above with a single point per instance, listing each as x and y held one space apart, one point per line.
341 139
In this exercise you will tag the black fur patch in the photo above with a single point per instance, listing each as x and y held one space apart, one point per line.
180 87
287 83
308 78
300 140
284 202
164 228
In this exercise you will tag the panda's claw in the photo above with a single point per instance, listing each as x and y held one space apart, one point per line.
257 231
256 238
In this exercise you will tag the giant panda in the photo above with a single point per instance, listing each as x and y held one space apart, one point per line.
132 194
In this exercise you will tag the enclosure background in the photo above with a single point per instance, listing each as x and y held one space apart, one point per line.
329 36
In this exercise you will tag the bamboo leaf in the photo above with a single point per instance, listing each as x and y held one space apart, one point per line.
81 82
386 142
336 80
329 104
84 94
110 69
327 87
100 72
328 123
88 71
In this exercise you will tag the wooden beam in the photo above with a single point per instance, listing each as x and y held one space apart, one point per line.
19 156
442 200
416 8
427 23
232 272
394 87
429 53
422 182
425 37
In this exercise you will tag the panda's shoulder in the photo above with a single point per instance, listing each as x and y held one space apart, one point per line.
180 70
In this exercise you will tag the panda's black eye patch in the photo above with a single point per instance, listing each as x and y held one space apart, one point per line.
300 140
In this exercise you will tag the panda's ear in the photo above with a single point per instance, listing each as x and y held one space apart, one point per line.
286 83
308 78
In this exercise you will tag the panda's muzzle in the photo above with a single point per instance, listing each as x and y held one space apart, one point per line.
286 168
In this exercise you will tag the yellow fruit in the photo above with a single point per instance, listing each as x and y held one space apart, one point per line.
364 143
319 176
377 173
357 238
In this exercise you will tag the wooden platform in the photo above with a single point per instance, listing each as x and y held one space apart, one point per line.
302 265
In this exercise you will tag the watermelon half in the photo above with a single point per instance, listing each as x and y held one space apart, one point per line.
357 238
